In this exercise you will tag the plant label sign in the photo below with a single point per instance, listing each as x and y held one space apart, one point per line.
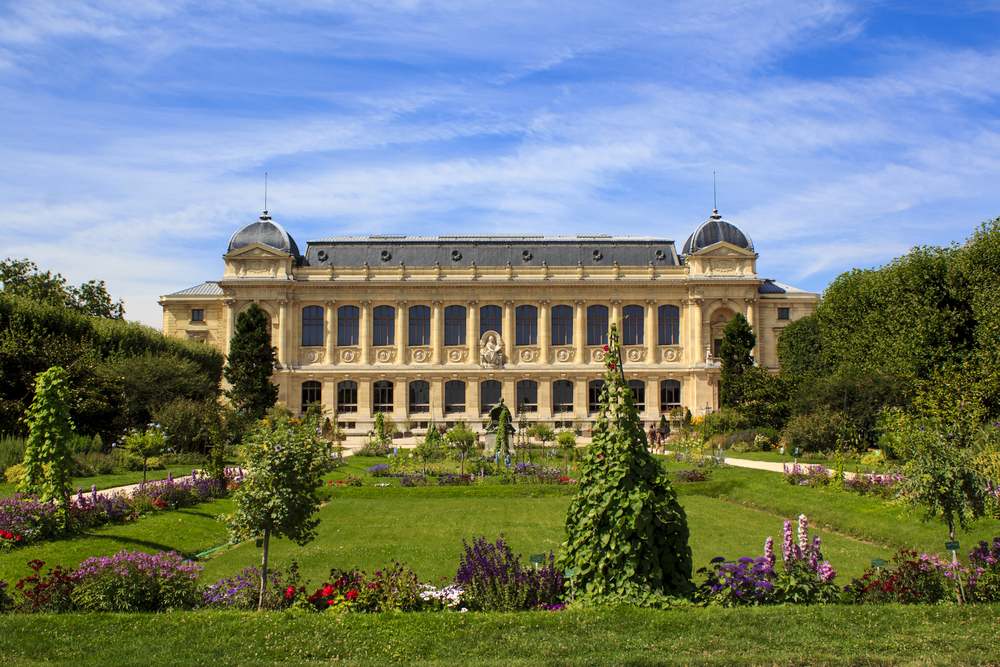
951 546
878 562
571 572
537 558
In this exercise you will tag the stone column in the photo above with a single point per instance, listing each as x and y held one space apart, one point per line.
472 331
473 396
508 332
364 397
508 389
615 314
230 308
329 395
580 332
652 398
696 329
544 330
581 397
282 326
437 398
330 320
651 333
402 331
400 400
752 319
295 326
544 398
437 332
365 335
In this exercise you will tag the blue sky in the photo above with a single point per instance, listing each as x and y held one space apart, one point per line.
136 134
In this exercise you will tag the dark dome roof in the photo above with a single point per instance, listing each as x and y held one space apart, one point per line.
264 231
716 230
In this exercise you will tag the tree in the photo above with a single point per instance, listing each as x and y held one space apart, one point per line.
251 363
544 432
429 449
284 464
463 440
144 443
627 536
738 340
800 347
567 442
21 277
47 456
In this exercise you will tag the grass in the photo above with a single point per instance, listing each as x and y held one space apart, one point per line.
827 635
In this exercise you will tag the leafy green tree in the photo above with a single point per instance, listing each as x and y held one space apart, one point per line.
463 440
981 267
145 443
429 448
544 432
800 347
47 455
21 277
380 430
567 442
627 536
765 401
251 363
503 435
284 464
738 340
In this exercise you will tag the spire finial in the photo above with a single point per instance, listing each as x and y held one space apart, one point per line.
265 216
715 203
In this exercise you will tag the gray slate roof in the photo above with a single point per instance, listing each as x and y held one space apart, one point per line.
208 288
264 231
716 230
590 249
772 287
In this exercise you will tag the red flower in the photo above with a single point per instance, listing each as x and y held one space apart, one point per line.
352 596
290 592
612 367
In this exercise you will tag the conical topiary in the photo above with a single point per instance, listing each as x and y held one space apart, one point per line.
627 535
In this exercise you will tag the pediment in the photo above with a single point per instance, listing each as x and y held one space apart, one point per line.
723 249
257 251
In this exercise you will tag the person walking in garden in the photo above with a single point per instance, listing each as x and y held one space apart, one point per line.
652 437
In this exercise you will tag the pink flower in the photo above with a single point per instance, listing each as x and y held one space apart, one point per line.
352 596
290 592
605 348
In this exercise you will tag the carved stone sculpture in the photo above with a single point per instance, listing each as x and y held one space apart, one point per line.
491 350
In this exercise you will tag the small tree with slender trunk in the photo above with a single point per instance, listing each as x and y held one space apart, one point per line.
284 465
463 440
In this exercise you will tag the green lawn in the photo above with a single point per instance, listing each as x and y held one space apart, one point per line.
826 635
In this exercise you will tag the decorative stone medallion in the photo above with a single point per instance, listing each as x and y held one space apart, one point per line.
347 355
598 355
562 355
419 356
312 356
527 355
455 355
634 355
383 355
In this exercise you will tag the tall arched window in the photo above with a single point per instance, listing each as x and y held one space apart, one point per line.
670 395
526 324
669 324
382 396
562 325
594 389
312 394
420 325
490 319
638 388
454 396
347 396
420 396
527 396
454 325
347 325
312 325
562 397
384 325
489 394
632 325
597 325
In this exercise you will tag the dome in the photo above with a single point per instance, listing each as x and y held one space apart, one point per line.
266 232
716 230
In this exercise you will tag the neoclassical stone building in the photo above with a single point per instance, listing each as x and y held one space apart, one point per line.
443 326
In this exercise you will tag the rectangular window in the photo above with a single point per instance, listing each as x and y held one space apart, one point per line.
312 394
632 325
783 313
527 396
597 325
347 396
490 319
197 315
454 396
347 325
562 397
312 326
526 323
670 325
382 396
594 395
454 325
562 325
420 325
383 325
420 396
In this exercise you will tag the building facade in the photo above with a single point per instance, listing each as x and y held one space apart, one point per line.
442 327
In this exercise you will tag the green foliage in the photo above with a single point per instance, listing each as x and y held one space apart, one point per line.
503 434
284 463
819 431
765 401
738 340
145 443
981 267
567 442
251 363
800 347
544 432
49 432
21 277
726 420
462 440
627 536
380 430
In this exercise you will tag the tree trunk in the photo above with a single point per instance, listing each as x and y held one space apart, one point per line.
144 471
263 569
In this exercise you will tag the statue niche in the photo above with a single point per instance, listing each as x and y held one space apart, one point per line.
491 350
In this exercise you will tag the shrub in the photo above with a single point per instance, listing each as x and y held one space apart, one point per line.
817 431
913 579
14 473
886 486
342 594
47 593
984 566
90 464
6 601
727 420
393 588
372 447
243 590
29 518
693 475
493 579
380 470
135 581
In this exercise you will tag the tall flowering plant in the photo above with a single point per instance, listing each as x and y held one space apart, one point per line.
627 536
492 578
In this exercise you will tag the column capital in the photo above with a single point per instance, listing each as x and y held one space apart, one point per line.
329 302
616 302
579 302
650 302
473 302
229 302
543 302
401 303
508 302
365 302
436 303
